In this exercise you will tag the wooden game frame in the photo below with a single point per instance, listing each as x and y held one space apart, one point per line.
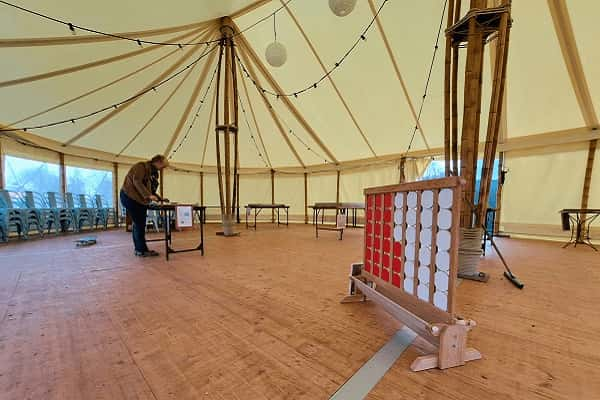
387 284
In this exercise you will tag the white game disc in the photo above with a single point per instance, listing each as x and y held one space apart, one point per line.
426 218
427 199
409 252
440 300
424 275
425 256
442 261
423 292
399 217
408 286
441 281
425 237
399 200
444 219
445 198
411 217
398 233
411 200
443 240
411 234
409 269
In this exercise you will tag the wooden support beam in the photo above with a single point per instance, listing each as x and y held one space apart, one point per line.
447 84
454 96
274 116
202 188
124 106
329 78
589 168
63 173
2 177
337 187
568 47
242 42
397 71
272 194
306 197
401 167
162 183
115 183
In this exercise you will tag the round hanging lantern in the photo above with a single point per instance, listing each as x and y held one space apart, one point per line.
341 8
276 54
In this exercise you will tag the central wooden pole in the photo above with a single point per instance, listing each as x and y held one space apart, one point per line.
227 127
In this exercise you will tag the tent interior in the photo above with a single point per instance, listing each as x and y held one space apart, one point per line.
358 103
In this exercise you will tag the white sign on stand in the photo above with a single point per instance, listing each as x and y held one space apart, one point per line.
341 221
184 217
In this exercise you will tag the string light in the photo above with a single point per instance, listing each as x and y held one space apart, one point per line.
196 114
362 37
435 50
112 106
252 136
73 26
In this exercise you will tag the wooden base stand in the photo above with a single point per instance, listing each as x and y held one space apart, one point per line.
221 233
478 277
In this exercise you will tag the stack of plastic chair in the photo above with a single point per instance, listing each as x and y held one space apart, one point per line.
45 214
11 218
104 214
62 214
80 215
88 207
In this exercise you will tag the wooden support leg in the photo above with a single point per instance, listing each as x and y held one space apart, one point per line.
354 295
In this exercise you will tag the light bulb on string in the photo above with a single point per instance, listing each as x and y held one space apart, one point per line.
341 8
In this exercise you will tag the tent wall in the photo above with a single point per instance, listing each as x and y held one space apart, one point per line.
539 184
289 189
353 182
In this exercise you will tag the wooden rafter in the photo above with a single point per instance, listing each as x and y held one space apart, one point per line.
274 116
331 81
249 102
398 74
291 107
191 102
97 63
79 39
158 110
568 46
123 107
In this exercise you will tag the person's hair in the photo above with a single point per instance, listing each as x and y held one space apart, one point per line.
158 158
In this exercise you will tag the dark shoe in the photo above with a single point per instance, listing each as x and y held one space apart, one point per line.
147 253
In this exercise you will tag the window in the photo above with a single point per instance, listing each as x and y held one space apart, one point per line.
90 182
436 170
38 176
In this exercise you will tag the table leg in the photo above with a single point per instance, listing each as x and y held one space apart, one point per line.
166 228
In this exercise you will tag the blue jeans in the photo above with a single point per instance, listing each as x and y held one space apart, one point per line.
138 214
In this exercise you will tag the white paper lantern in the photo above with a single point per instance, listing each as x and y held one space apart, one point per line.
276 54
341 8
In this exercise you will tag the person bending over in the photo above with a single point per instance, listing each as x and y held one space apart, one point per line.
139 189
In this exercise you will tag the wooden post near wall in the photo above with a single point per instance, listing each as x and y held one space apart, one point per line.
162 183
237 196
589 168
337 187
2 178
63 173
306 197
272 194
202 188
401 168
115 182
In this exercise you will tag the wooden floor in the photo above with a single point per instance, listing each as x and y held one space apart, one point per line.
259 318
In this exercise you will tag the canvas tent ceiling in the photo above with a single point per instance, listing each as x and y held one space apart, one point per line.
370 119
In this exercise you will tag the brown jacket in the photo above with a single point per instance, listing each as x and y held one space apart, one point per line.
137 185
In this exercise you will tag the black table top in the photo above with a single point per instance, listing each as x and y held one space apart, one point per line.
259 205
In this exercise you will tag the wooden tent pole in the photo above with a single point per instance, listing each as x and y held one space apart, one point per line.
337 187
494 119
162 183
115 184
237 185
447 68
217 133
2 178
272 194
454 95
235 123
202 188
401 167
226 123
306 197
589 168
63 173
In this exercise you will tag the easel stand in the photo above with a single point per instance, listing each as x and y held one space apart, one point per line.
450 338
